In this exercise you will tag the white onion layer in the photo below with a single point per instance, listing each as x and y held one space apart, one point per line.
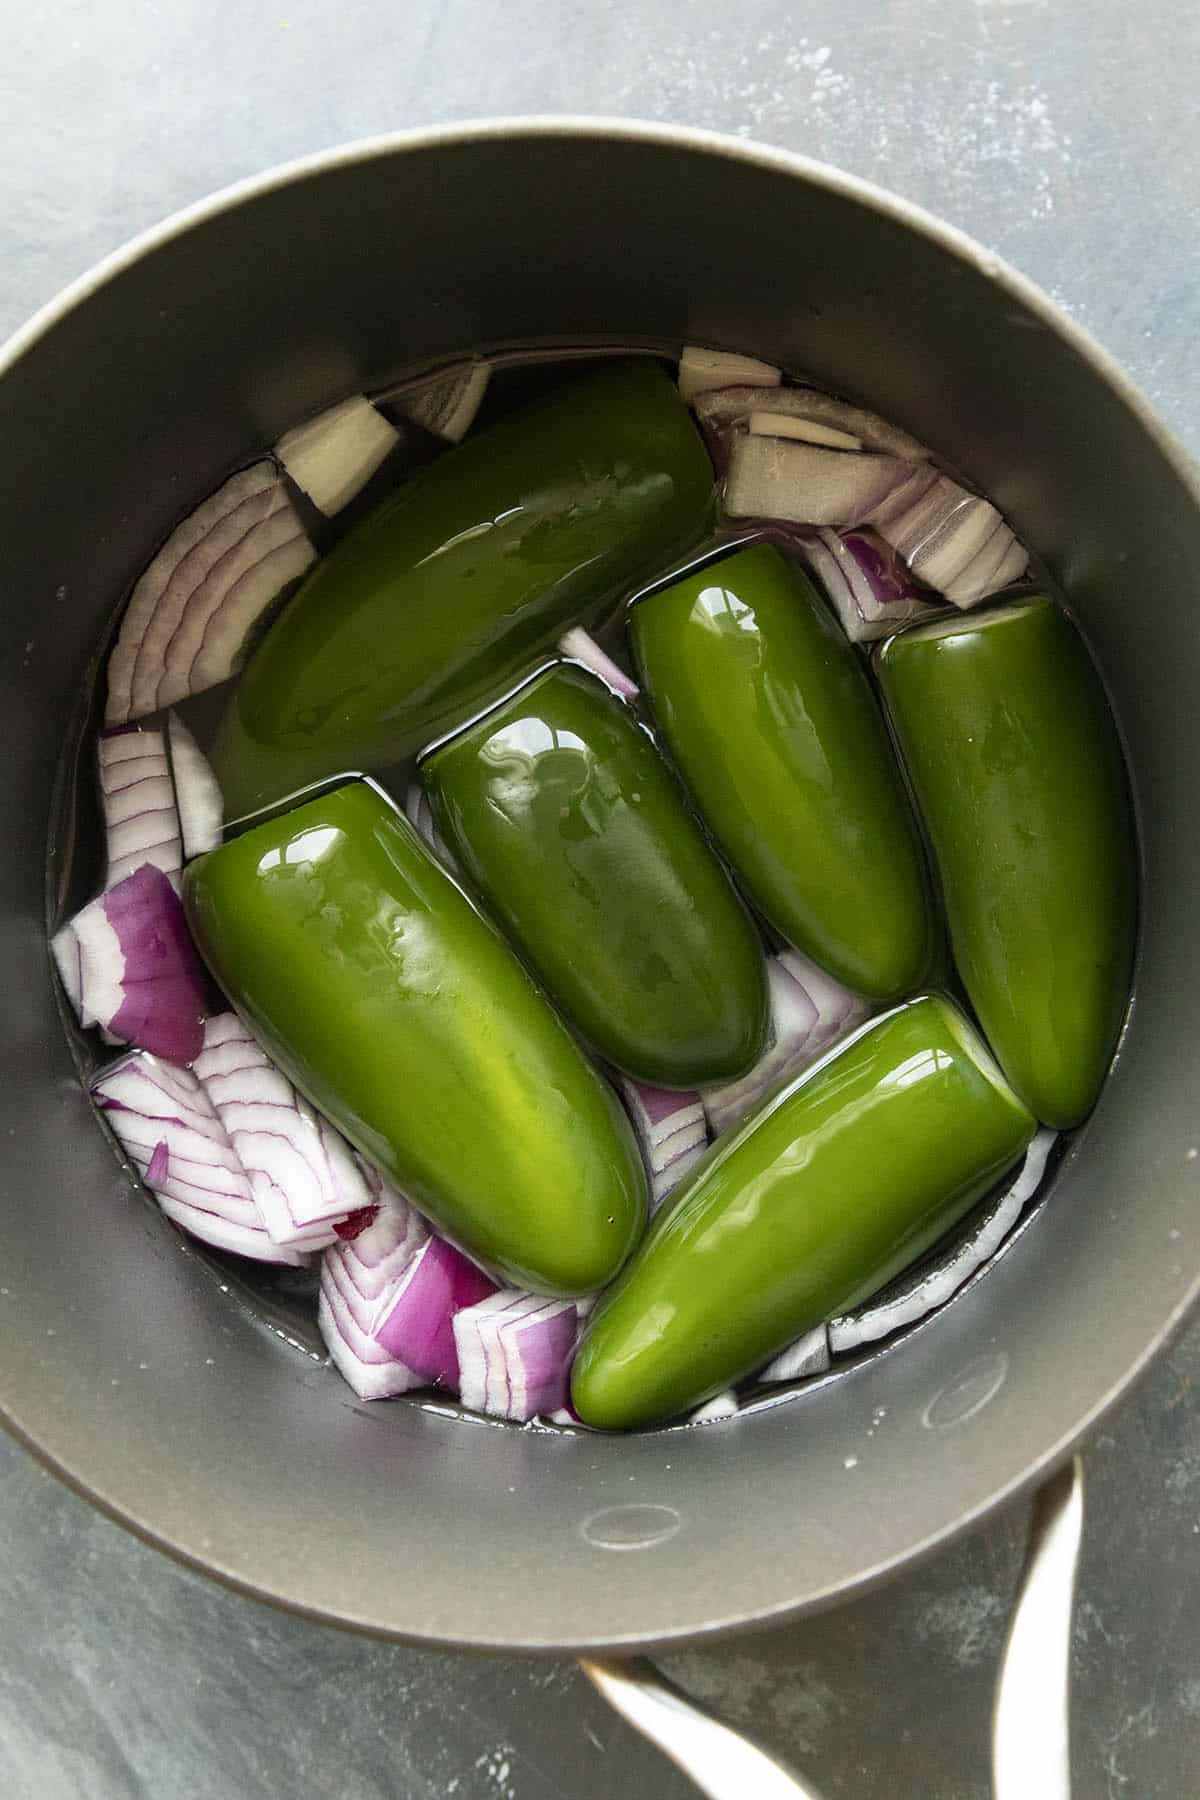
332 457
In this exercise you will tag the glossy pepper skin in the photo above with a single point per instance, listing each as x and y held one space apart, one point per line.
453 588
562 813
402 1014
769 716
817 1200
1017 769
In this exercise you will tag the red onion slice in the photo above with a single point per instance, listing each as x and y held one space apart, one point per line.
247 490
865 582
778 478
953 541
415 1323
576 646
765 423
373 1260
370 1370
919 1291
197 791
166 1123
670 1128
128 964
206 645
730 408
672 1173
447 402
356 1274
332 457
141 824
68 960
515 1352
189 614
809 1355
302 1173
839 1010
721 1406
702 370
809 1011
222 1234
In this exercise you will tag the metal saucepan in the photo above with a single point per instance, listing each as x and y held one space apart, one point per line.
123 1366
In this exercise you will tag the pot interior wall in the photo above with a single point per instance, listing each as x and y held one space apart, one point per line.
182 1413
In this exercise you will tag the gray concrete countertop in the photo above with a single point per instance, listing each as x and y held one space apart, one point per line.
1065 135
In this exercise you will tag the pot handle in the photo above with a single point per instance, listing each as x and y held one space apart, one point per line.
1030 1741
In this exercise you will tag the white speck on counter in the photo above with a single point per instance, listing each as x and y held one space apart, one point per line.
851 1462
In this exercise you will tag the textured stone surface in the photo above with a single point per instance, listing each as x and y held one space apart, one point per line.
1066 137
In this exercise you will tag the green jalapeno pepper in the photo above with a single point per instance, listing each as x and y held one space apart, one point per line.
1017 769
402 1014
451 590
817 1200
561 811
770 718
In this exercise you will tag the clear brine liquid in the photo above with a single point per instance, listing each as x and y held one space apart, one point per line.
282 1300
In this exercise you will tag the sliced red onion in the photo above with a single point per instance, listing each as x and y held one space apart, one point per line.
64 947
222 1234
809 1011
671 1131
918 1292
951 540
867 585
141 824
731 408
839 1010
721 1406
416 1322
128 964
447 403
356 1274
376 1258
302 1173
514 1353
775 478
578 647
672 1174
419 813
766 423
663 1116
166 1123
809 1355
189 614
333 456
197 791
371 1371
702 370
